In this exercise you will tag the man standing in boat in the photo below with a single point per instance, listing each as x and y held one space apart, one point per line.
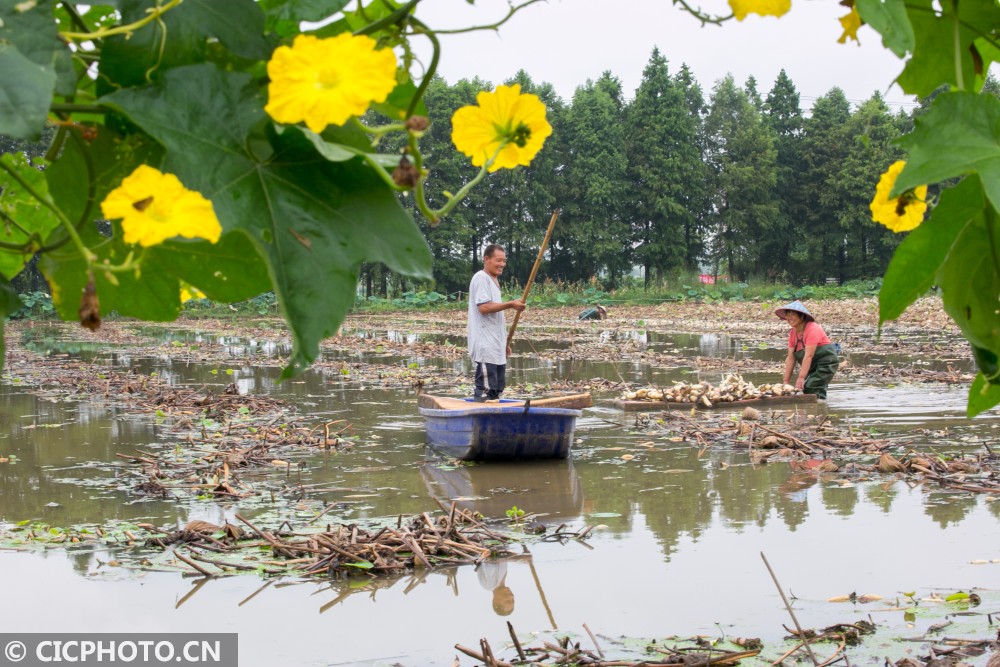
487 327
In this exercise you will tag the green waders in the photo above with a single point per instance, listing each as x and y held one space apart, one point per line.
824 365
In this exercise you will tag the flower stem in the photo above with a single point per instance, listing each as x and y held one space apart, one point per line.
991 225
44 201
28 246
419 196
431 68
702 16
77 108
153 15
510 14
380 130
75 15
461 194
957 37
395 17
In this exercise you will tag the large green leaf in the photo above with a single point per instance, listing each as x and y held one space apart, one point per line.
315 221
152 295
341 152
396 105
970 285
25 94
86 171
79 179
943 43
9 303
189 29
958 135
917 259
31 219
302 10
356 20
889 19
989 51
982 396
230 270
29 27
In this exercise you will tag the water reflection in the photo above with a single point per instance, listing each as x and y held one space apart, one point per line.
549 490
669 520
492 576
407 337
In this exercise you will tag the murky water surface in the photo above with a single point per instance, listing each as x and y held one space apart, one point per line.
676 549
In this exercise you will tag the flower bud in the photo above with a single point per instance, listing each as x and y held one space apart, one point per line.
405 175
417 124
90 307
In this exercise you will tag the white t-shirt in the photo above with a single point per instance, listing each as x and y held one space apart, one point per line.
487 333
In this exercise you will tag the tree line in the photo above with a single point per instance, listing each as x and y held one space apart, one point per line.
672 181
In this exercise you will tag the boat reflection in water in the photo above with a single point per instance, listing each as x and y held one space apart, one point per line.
548 491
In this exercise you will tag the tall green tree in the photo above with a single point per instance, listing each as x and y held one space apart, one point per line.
865 248
594 236
825 144
783 115
750 88
742 159
661 142
694 194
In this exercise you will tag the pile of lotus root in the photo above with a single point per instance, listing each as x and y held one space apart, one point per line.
733 388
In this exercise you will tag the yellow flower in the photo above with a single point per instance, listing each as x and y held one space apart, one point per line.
326 81
904 212
763 7
188 293
504 120
155 207
850 22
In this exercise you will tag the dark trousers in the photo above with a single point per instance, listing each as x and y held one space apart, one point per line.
491 379
824 365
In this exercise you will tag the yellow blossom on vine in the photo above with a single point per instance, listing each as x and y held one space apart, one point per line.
154 207
326 81
902 213
506 121
188 293
850 23
763 7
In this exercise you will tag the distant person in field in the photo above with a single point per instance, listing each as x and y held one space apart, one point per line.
810 348
487 328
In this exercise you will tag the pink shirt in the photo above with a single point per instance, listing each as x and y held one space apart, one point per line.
812 335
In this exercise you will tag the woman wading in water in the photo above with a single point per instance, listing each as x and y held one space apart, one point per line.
810 348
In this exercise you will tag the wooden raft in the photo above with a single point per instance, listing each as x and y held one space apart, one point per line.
761 403
571 401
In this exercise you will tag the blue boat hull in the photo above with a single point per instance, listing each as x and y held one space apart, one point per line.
499 433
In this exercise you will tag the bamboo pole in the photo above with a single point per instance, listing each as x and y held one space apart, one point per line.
805 640
534 270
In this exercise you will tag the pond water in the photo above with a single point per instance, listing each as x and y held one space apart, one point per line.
676 546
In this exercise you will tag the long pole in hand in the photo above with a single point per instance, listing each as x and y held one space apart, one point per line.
534 270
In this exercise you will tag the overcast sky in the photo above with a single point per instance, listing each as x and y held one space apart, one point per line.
567 42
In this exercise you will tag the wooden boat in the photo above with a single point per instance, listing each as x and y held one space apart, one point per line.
760 403
571 401
507 430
